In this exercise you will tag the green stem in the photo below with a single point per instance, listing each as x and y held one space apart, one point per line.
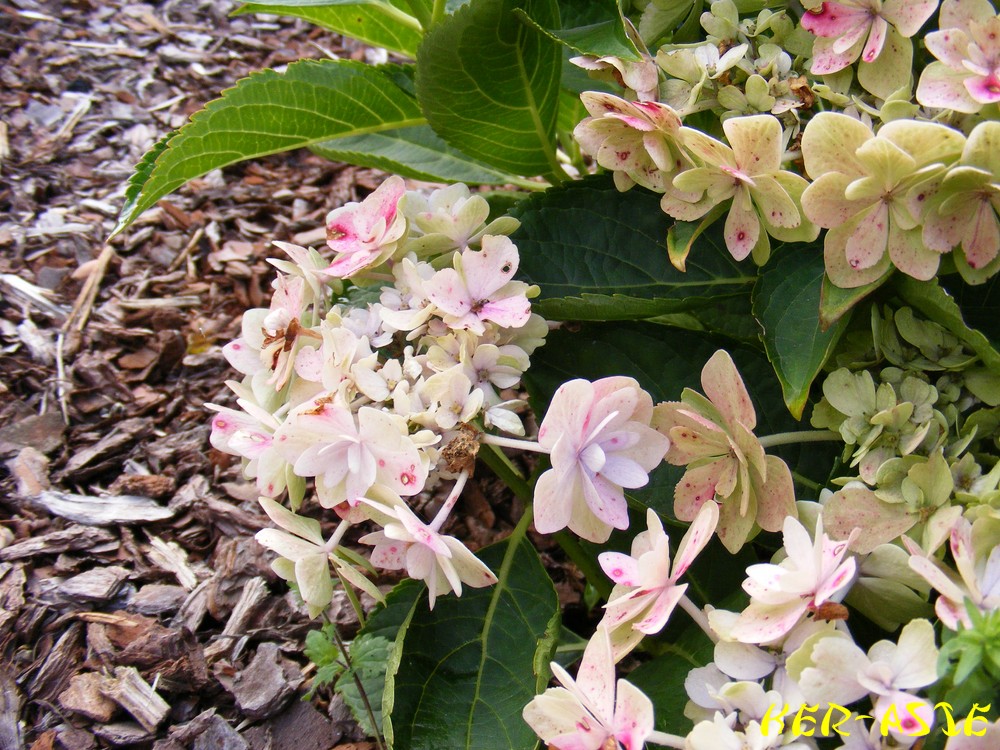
352 597
439 10
806 482
358 684
698 615
419 21
503 468
805 436
506 442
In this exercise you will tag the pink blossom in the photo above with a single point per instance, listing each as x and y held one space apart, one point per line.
349 453
647 589
726 463
638 141
407 543
851 29
590 712
967 46
479 288
365 234
600 442
250 434
814 572
978 579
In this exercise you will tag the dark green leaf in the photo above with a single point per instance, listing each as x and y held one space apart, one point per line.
412 152
489 84
592 27
385 23
662 679
836 302
586 238
786 303
980 304
933 301
465 672
269 112
673 19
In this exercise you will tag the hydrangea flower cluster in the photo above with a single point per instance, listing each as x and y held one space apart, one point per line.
376 402
896 185
787 669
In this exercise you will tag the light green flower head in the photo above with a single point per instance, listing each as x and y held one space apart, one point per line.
861 191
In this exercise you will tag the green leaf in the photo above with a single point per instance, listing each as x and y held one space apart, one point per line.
391 622
662 679
415 152
661 18
836 302
321 650
369 657
591 27
384 23
933 301
786 303
466 669
269 112
599 254
489 84
980 304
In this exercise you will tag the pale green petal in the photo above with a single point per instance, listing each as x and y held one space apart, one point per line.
824 203
982 149
926 142
890 71
756 143
706 148
885 161
858 508
312 574
832 679
700 179
742 225
839 270
909 254
793 186
867 242
775 205
829 142
734 529
306 528
676 206
940 86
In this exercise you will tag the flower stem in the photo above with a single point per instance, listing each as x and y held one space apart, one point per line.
419 21
438 12
804 436
699 616
505 442
508 473
338 534
449 503
342 647
666 740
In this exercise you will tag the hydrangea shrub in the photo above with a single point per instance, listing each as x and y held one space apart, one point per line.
747 292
